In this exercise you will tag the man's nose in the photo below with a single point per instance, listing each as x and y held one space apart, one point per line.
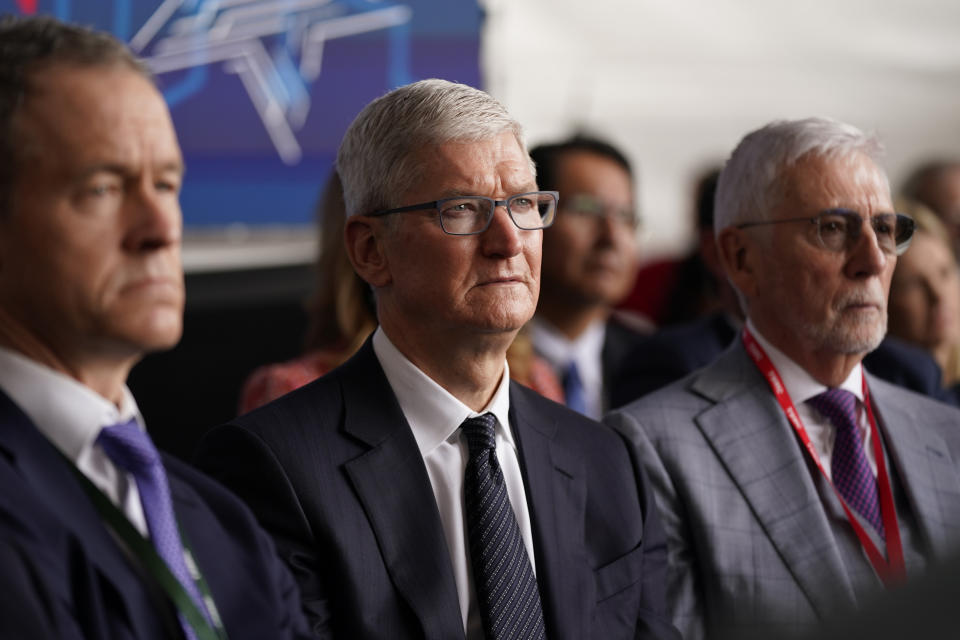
502 237
867 258
154 219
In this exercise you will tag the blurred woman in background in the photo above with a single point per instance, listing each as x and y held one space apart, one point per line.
924 306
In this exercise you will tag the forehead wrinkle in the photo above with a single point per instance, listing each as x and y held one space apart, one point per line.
817 183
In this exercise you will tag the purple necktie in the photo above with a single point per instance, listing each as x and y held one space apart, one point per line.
131 450
851 472
506 587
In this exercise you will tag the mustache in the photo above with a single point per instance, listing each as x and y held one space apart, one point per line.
871 294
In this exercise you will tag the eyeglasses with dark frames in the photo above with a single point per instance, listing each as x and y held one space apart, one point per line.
839 229
469 215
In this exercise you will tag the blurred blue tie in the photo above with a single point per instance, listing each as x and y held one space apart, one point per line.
573 390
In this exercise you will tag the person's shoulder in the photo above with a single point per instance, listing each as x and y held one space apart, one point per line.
271 381
192 486
906 365
573 429
630 323
316 398
624 330
671 409
885 390
924 410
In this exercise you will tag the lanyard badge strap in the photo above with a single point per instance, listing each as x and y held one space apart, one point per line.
890 569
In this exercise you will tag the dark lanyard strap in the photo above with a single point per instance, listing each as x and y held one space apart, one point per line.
147 554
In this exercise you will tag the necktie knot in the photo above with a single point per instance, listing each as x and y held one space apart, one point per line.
837 405
129 447
479 432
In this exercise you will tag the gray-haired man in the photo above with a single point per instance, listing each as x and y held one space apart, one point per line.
375 480
791 482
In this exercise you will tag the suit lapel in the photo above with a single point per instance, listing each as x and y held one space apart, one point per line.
393 486
757 446
556 497
57 491
923 463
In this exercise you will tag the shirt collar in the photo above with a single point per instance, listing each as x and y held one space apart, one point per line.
560 350
433 413
67 412
799 384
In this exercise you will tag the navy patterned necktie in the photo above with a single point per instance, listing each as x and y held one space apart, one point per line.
131 450
848 464
506 587
574 392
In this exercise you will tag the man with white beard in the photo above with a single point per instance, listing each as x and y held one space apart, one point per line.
791 482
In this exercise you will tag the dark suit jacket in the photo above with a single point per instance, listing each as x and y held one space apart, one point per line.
333 471
64 576
674 352
618 343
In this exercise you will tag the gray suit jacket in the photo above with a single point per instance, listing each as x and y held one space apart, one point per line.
750 541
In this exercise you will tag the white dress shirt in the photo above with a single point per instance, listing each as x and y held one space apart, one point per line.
435 417
70 415
801 386
586 351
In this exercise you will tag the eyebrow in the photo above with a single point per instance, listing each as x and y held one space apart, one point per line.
121 169
857 212
460 193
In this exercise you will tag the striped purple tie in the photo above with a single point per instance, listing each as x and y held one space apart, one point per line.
506 587
131 449
851 472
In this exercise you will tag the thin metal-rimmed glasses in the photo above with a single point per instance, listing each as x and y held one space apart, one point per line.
469 215
588 206
840 229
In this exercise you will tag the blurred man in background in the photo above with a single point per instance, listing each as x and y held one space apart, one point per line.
590 261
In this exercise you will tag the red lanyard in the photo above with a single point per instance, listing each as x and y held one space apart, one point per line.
890 569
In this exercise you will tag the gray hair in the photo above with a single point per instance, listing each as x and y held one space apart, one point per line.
377 158
750 184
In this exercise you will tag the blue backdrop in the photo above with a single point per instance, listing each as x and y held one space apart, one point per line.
261 91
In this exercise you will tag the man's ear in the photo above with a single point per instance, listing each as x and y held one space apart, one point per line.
365 249
739 254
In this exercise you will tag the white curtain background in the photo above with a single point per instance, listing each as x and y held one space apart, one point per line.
677 83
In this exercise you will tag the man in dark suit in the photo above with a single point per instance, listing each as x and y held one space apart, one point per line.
590 262
99 536
370 478
792 483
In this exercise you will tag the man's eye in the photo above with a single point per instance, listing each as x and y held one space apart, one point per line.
102 189
833 225
521 204
882 227
460 208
